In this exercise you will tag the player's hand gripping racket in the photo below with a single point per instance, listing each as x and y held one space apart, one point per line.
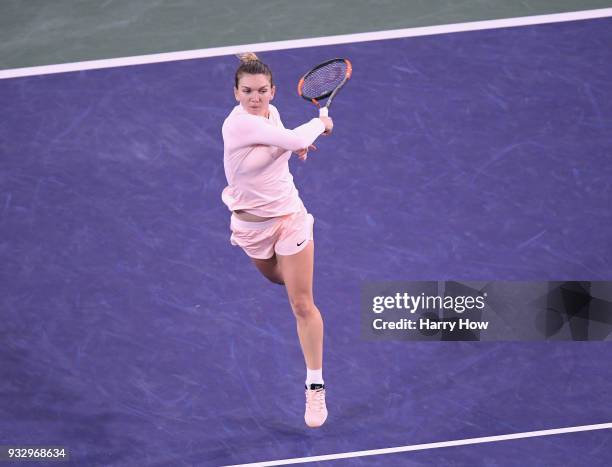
324 81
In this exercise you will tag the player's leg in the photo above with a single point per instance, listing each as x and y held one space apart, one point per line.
297 272
270 269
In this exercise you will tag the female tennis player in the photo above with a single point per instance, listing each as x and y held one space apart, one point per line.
269 221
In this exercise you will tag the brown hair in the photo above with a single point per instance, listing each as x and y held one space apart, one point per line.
251 65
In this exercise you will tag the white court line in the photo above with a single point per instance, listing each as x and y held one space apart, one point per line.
314 42
421 447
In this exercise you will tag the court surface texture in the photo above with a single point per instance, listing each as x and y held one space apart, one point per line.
134 334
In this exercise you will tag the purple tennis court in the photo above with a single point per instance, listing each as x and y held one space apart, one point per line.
135 334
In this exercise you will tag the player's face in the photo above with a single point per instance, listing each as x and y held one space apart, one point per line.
255 93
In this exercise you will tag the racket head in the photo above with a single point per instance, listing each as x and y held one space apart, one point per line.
325 78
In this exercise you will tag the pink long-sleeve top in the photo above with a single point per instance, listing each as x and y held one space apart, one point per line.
256 161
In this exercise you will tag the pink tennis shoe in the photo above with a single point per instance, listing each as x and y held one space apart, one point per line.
316 411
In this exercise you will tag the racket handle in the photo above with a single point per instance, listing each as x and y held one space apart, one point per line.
323 112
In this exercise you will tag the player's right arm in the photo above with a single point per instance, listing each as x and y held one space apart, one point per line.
329 125
249 130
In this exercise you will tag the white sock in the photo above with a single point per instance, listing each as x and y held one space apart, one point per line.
314 376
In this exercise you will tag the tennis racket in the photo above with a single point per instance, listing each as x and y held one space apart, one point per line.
324 81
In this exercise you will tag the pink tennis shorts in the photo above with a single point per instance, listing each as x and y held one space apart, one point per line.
286 235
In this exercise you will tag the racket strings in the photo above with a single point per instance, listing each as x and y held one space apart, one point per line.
324 80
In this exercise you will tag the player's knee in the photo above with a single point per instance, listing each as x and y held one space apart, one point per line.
273 276
276 280
302 306
276 277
